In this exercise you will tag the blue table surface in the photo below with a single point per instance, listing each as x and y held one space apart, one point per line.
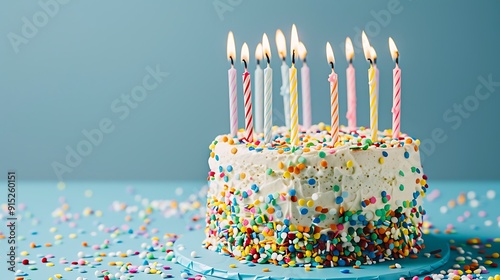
56 219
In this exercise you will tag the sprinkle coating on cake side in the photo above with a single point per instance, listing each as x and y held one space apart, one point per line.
351 203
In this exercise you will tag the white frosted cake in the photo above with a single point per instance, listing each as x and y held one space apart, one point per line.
352 203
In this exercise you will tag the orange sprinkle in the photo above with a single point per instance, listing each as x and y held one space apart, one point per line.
324 163
281 165
318 208
48 245
290 169
301 166
224 138
296 170
85 244
242 175
280 152
32 245
234 151
270 210
212 154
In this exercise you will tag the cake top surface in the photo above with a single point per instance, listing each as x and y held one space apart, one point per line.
318 137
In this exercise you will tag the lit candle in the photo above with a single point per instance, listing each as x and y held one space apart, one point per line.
285 87
294 108
247 90
306 88
351 86
233 94
334 95
396 90
268 91
259 91
370 55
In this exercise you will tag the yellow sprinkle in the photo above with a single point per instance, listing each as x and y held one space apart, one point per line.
98 259
24 253
265 269
72 235
53 229
49 264
310 203
234 150
58 276
349 164
319 266
495 255
152 271
286 174
58 237
111 263
98 213
302 202
68 269
307 268
381 160
232 265
242 176
318 259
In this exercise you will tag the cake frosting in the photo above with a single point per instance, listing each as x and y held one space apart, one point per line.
320 203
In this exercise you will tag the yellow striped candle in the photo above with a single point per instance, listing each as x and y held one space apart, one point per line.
294 95
372 82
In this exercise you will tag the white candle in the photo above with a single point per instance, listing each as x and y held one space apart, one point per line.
306 88
285 85
259 92
233 94
268 92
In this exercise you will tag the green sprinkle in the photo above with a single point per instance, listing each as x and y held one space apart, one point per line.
322 154
336 188
401 173
269 171
301 159
401 187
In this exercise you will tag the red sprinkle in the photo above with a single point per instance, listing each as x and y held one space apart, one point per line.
44 260
26 262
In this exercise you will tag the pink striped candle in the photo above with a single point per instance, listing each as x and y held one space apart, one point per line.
396 90
233 93
351 86
334 94
247 90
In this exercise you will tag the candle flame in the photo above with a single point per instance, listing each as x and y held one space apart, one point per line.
258 52
231 48
266 47
366 46
393 49
302 51
373 54
245 53
294 42
349 49
329 54
281 43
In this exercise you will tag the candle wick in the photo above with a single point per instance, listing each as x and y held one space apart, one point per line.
331 63
397 60
374 61
284 59
258 62
232 62
370 60
244 61
304 60
268 59
293 57
350 60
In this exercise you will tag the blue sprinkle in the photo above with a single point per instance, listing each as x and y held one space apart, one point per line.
383 193
226 179
217 157
292 192
303 211
221 169
339 199
385 154
311 181
342 263
291 248
244 194
407 155
229 168
316 220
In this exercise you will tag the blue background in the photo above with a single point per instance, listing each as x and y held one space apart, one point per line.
64 78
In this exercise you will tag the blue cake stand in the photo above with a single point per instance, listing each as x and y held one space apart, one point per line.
213 264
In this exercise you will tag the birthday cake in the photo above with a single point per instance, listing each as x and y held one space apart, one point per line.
355 202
